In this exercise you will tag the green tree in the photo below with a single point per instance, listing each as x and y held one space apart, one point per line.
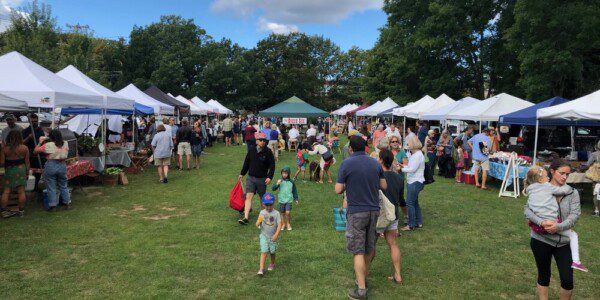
558 47
33 33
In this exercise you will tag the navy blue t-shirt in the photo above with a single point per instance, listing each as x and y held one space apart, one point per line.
361 174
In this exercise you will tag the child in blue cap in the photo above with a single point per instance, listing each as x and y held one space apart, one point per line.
269 223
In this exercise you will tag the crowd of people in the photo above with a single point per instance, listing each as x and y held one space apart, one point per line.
377 163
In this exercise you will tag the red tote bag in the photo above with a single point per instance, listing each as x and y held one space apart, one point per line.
236 197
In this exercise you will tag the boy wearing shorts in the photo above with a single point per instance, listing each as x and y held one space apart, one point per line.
269 223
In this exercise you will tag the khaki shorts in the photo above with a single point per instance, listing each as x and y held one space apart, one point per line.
485 165
162 161
184 148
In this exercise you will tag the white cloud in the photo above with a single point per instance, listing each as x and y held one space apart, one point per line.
276 28
289 13
6 8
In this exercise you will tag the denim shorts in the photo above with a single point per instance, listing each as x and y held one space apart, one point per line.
283 207
267 245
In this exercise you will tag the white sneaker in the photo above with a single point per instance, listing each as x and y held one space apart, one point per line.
289 228
260 273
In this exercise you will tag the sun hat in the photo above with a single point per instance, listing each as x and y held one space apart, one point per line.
268 199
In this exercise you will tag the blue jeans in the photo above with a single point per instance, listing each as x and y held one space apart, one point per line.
412 202
55 176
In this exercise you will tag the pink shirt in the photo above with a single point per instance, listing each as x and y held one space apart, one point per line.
377 135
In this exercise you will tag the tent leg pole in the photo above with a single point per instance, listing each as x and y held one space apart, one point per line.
535 143
404 127
572 138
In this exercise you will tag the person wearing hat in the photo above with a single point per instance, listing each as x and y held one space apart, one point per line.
481 143
259 164
11 125
287 194
269 223
31 136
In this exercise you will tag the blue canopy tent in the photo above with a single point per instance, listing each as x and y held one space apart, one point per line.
528 117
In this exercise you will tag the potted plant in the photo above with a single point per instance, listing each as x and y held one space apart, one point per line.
111 176
88 146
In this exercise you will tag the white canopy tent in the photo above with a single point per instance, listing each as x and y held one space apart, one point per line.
376 108
111 100
202 105
132 92
194 109
374 105
583 108
222 109
12 104
344 109
440 102
23 79
490 109
413 110
441 113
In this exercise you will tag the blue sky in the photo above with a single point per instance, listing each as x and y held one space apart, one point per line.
347 22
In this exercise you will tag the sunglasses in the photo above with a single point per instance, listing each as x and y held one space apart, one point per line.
394 142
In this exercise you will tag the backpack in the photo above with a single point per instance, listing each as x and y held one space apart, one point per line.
299 158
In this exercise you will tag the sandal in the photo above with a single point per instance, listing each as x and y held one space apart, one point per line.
485 188
393 279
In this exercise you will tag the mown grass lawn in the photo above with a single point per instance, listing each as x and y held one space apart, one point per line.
181 240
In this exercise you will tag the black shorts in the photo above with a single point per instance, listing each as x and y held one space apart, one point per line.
361 234
256 185
228 134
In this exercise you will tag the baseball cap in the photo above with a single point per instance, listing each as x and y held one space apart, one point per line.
268 199
9 116
261 136
353 132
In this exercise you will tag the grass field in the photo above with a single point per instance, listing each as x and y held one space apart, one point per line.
181 240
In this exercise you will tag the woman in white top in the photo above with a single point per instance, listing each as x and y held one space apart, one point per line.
55 169
415 178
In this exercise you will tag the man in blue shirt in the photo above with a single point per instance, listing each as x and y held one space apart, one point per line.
481 143
361 177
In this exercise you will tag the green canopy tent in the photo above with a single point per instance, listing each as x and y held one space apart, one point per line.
293 107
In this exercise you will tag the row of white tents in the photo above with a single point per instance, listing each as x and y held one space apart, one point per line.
444 108
25 84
